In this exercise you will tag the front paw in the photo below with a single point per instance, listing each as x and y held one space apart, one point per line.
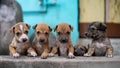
109 55
70 55
87 55
16 55
51 55
44 56
33 54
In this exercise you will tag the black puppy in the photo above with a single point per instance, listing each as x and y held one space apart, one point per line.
100 45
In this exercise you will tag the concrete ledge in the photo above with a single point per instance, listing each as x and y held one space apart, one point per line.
59 62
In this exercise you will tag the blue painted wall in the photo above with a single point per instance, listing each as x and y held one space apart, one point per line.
52 14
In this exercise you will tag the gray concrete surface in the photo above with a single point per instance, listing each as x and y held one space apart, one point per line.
59 62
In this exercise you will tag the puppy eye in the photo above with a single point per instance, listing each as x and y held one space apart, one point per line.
82 49
68 33
38 32
93 28
46 33
58 33
26 32
18 33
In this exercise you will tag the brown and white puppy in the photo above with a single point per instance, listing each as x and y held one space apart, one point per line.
20 43
63 43
100 45
40 42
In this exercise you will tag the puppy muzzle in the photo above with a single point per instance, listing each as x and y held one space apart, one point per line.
24 39
42 40
63 40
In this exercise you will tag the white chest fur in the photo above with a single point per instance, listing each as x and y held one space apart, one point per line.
18 45
38 45
63 49
99 45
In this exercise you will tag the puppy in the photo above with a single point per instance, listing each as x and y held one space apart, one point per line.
20 43
63 44
100 45
80 50
40 42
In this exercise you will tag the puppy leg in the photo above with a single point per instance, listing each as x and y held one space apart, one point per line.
90 52
54 51
71 51
109 52
45 53
13 51
31 52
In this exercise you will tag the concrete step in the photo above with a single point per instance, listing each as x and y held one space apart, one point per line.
59 62
114 41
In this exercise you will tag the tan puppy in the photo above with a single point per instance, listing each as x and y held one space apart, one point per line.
20 43
40 42
63 41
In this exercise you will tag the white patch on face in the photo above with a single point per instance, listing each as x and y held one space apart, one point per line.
21 27
23 36
99 45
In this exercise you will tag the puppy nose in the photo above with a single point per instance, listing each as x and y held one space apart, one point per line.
86 34
24 40
64 40
42 40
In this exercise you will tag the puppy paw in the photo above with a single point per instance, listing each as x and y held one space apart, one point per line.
16 55
70 55
44 56
109 55
87 55
51 55
34 54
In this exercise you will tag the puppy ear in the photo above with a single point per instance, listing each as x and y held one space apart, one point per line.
28 26
12 29
34 26
55 27
50 28
102 27
71 27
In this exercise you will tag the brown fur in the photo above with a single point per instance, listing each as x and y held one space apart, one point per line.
40 42
63 41
18 47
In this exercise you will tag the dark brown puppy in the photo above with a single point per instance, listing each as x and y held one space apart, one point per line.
100 45
63 41
40 42
80 50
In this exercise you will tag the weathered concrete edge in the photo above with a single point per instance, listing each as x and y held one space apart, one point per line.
59 62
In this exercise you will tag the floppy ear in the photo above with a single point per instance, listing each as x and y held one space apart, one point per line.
102 27
55 27
12 29
28 26
71 27
34 26
50 28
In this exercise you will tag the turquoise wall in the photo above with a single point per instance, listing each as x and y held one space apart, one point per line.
51 13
